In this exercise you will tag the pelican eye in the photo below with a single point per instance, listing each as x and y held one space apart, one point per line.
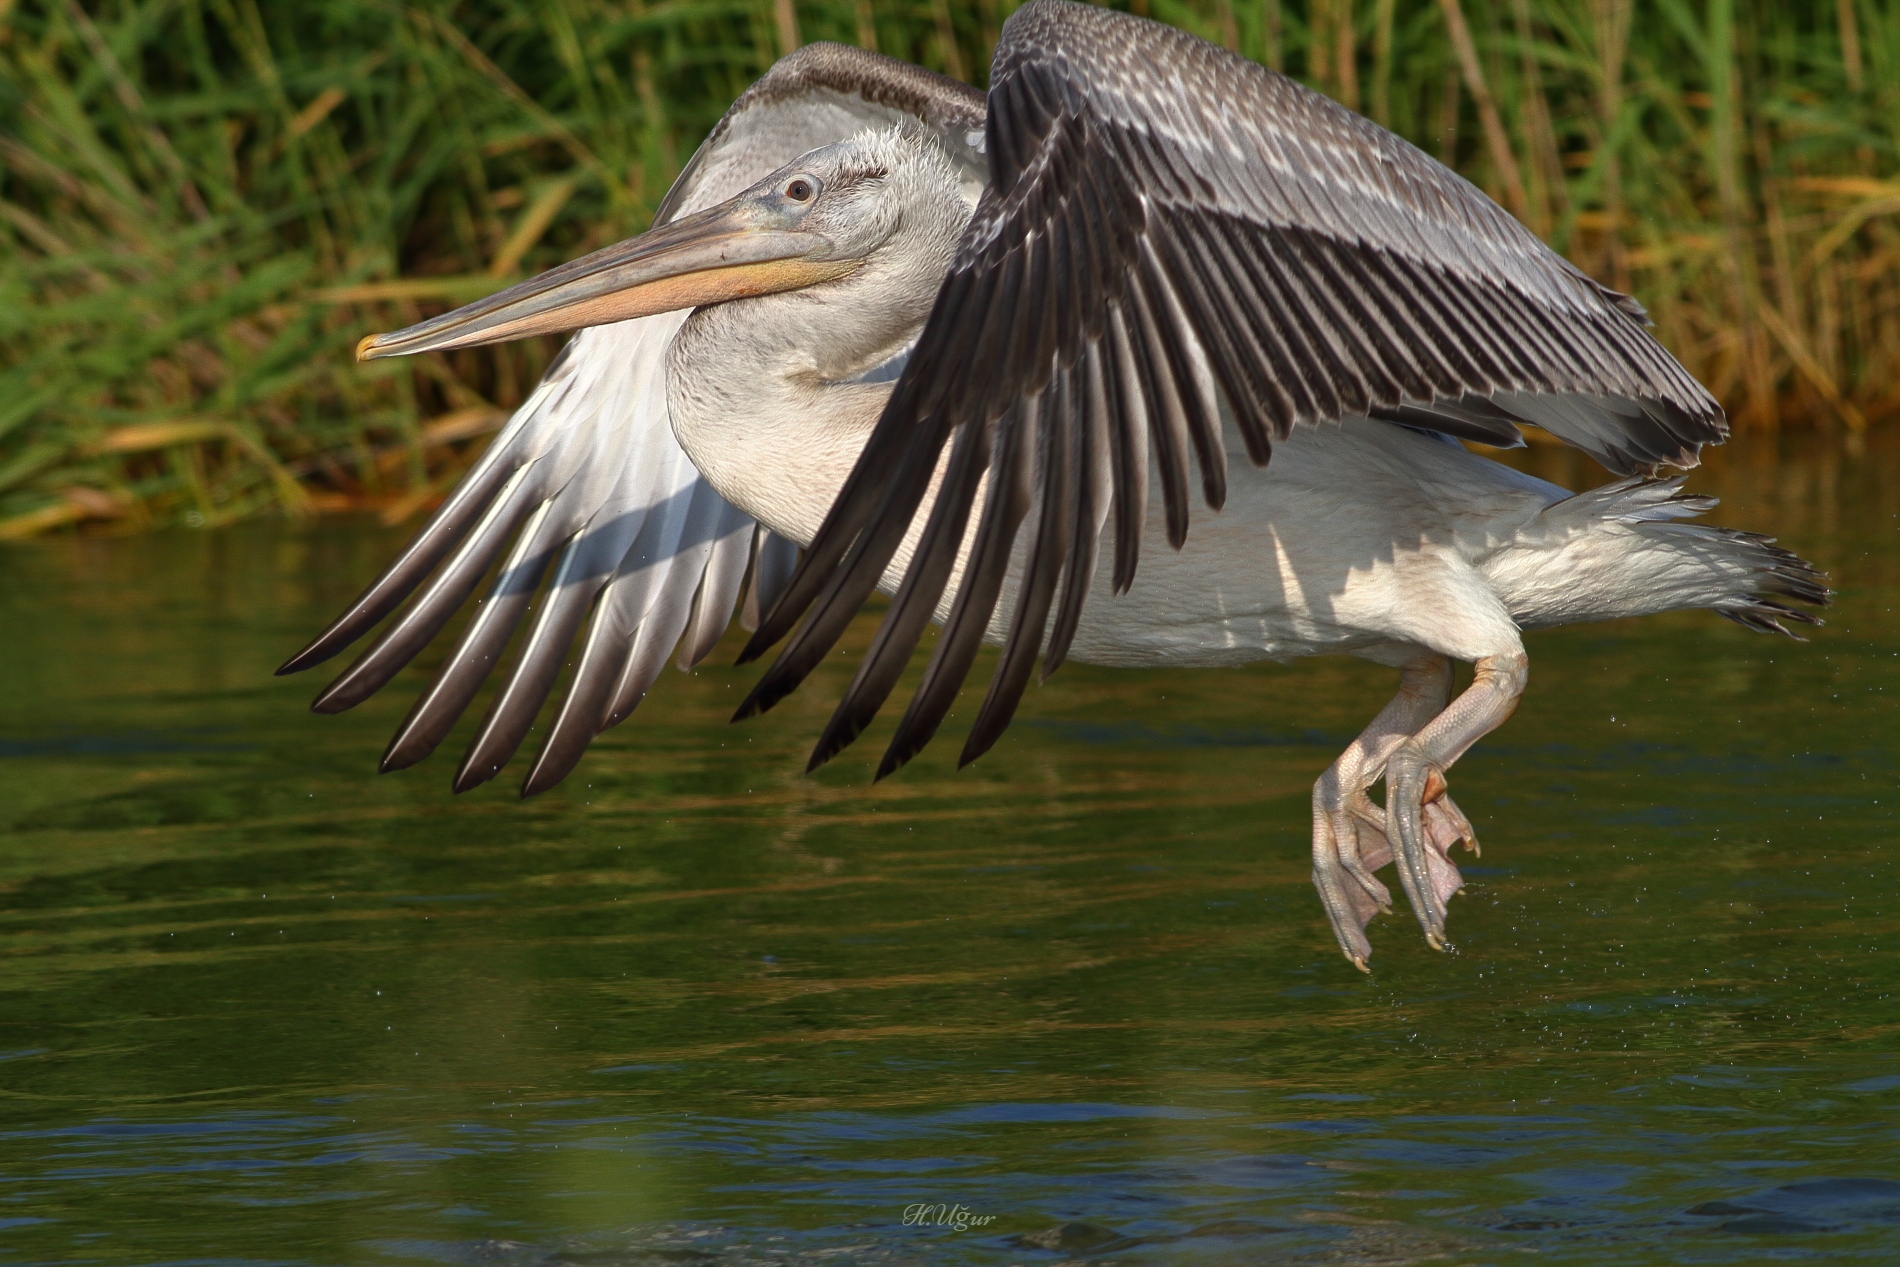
801 189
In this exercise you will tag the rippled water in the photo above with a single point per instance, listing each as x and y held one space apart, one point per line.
262 1006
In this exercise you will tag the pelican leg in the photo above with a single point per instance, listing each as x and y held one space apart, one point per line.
1349 830
1417 809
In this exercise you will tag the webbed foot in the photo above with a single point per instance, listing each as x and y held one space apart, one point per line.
1420 814
1351 842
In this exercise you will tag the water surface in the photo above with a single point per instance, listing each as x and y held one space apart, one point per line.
259 1005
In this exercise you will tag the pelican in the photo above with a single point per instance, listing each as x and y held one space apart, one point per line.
973 350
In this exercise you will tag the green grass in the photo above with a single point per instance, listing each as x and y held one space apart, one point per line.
205 203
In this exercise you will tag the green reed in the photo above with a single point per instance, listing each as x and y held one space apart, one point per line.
205 203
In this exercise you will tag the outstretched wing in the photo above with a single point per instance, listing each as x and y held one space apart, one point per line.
1173 235
587 499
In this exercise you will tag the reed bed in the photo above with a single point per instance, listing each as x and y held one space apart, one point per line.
205 203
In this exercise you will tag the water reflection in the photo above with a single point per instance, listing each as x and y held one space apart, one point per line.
261 1005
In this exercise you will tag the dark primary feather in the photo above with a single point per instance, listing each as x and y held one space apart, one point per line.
1172 234
587 488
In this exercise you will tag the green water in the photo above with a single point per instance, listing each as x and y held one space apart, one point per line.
260 1005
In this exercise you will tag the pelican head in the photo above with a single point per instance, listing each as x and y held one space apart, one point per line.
886 196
